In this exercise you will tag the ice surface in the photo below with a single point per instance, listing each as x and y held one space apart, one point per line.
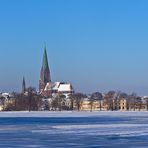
73 114
73 129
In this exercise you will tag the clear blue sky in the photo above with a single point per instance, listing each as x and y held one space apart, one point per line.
97 45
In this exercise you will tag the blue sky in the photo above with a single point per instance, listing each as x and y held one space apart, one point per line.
97 45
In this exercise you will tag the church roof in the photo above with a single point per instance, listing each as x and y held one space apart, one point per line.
45 60
65 87
59 86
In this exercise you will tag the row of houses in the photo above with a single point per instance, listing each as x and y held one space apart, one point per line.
121 105
111 101
116 102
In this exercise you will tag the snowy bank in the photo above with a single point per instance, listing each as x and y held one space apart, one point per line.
73 114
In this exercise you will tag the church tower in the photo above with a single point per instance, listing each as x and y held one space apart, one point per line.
23 86
44 73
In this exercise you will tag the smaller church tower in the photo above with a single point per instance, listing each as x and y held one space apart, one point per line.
23 86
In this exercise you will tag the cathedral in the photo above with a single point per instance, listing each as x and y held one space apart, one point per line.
45 73
46 86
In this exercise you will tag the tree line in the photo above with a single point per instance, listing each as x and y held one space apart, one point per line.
33 101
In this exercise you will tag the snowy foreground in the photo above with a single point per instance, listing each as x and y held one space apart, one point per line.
72 114
74 129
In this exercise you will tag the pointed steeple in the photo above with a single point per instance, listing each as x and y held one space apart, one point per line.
45 72
23 85
45 60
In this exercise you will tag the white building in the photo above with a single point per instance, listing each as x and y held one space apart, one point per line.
58 87
5 98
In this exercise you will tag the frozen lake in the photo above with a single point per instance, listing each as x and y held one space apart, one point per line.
73 129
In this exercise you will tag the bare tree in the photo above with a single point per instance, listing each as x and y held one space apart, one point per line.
2 102
97 96
91 103
138 103
54 103
108 100
61 101
29 101
132 101
30 95
146 102
78 98
71 97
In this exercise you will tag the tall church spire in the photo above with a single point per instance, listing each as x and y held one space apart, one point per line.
45 60
23 86
45 72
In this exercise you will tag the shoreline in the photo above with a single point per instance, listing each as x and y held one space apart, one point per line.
68 114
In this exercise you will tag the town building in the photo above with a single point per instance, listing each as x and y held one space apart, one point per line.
87 105
5 99
46 86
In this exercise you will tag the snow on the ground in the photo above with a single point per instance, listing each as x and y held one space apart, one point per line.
127 130
98 129
73 114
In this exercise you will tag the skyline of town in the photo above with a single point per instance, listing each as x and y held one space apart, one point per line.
73 73
45 63
96 46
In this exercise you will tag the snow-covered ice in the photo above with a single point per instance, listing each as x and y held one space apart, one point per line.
73 114
74 129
